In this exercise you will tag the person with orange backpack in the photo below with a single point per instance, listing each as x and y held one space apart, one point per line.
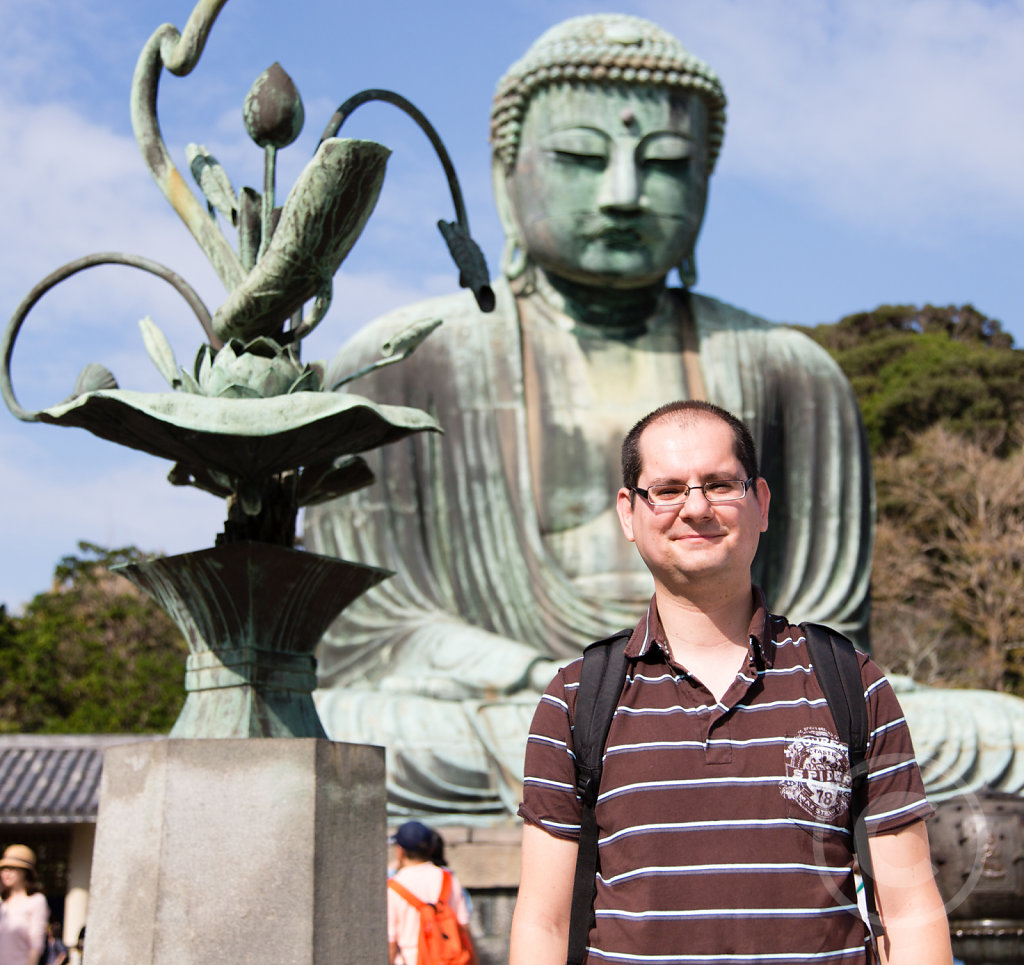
428 910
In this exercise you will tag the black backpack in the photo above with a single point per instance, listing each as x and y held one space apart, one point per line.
602 677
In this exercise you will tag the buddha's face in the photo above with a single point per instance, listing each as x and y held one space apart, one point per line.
610 183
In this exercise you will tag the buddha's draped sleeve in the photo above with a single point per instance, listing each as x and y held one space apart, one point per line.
814 562
475 601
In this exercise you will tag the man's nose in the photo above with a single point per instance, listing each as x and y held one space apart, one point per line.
621 188
697 505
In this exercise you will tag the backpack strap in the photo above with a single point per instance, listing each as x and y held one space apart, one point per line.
405 893
446 891
446 887
602 676
837 668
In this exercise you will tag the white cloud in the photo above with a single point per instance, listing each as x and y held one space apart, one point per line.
82 188
898 116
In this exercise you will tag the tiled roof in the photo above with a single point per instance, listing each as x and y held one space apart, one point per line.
53 779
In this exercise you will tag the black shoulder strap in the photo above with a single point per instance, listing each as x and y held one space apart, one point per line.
837 668
601 680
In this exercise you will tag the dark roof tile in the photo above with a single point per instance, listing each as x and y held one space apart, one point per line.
54 779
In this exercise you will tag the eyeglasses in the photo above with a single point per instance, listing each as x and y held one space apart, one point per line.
675 494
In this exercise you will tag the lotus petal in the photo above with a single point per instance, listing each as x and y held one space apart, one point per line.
189 384
91 379
213 181
321 220
408 339
319 483
309 382
160 351
204 359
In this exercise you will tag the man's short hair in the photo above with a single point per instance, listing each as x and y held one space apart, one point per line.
686 411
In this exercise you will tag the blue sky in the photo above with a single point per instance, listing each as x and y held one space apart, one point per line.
874 153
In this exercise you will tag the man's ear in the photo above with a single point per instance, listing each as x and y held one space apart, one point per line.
764 498
624 507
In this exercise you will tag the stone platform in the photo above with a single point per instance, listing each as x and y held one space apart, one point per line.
264 847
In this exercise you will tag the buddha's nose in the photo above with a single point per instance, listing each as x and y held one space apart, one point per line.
621 188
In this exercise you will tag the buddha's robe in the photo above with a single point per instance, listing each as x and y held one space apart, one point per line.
444 661
965 740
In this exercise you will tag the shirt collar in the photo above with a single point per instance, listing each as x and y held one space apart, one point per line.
649 631
760 628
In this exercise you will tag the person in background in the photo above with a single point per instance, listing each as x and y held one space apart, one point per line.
416 847
437 856
56 952
24 911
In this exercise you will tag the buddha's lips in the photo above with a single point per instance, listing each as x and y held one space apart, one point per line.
626 230
621 237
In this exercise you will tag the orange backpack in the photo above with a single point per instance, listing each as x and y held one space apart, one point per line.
443 941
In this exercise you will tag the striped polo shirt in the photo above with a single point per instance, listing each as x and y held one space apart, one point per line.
724 832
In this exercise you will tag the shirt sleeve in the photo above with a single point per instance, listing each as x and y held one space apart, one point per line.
393 912
895 789
459 902
549 783
39 915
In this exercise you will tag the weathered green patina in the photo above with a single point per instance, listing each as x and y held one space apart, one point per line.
249 421
508 553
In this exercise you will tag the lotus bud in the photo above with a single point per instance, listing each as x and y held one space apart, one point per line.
273 110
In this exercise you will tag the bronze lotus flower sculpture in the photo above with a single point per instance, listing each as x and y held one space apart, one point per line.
250 421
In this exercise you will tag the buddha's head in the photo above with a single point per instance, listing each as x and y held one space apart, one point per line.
604 135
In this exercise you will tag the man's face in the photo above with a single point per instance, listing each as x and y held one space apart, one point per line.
610 183
698 543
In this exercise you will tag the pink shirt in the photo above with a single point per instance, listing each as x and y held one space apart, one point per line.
23 921
424 881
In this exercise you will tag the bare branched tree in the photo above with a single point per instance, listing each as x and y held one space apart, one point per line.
948 576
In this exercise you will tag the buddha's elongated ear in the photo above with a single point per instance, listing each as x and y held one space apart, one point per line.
513 257
688 270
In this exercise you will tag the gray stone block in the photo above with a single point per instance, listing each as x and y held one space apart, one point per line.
270 850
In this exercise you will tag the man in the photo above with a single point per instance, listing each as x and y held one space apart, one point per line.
503 532
722 811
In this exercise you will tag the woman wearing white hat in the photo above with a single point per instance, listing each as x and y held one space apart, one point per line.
24 911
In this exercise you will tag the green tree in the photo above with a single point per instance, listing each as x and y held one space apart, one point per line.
912 368
93 655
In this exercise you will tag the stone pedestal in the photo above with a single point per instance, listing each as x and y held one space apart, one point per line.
270 850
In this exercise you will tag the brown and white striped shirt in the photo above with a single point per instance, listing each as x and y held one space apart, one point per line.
724 832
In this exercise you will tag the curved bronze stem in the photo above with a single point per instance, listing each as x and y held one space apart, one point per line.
66 271
341 114
464 250
179 52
